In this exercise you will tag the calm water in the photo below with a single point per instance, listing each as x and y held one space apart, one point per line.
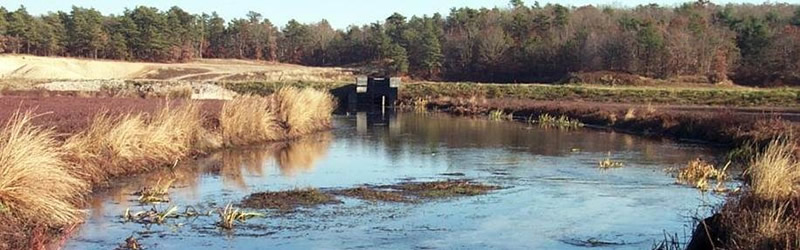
555 197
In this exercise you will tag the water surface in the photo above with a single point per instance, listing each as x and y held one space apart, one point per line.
554 196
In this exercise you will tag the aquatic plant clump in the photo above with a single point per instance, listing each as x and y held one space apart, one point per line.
697 173
608 163
561 122
500 115
229 215
156 193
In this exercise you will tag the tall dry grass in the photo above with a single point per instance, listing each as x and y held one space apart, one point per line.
114 146
288 113
34 182
775 173
303 111
249 119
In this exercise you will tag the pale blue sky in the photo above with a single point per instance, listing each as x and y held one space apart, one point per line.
340 13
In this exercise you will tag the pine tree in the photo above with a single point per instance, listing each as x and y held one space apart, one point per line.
431 51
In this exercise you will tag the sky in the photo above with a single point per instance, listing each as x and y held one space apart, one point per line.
340 13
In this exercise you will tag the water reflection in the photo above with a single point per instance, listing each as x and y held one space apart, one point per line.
232 166
404 133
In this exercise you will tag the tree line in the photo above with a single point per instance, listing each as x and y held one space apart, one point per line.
750 44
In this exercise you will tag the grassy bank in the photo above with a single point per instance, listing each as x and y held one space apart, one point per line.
46 177
721 95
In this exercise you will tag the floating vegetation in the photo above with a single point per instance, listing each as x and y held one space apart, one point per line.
561 122
289 200
608 163
698 172
500 115
157 193
228 216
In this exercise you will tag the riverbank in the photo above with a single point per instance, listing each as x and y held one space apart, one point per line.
49 171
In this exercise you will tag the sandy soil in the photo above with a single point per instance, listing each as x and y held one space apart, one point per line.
34 67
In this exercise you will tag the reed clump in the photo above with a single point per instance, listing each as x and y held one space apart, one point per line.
775 173
34 181
288 113
698 172
561 122
229 215
303 111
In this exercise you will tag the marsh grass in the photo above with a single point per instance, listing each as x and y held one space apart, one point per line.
303 111
34 181
249 119
766 214
125 144
775 173
286 114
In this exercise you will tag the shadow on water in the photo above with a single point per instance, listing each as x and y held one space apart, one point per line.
553 196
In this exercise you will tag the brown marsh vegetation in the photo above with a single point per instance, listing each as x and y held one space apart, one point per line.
45 177
766 213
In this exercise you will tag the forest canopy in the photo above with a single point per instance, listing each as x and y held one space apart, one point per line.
749 44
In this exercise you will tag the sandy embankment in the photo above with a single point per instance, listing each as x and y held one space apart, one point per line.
73 74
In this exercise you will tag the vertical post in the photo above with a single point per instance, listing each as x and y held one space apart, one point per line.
383 104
